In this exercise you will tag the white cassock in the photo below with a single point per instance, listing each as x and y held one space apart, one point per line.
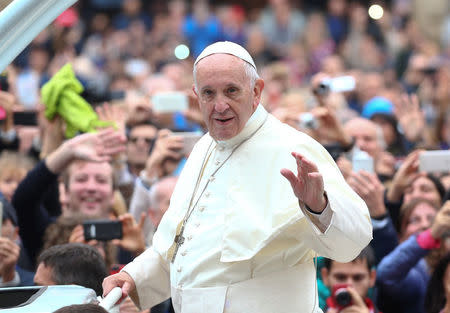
249 247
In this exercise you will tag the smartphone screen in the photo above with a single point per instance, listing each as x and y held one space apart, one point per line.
102 230
26 118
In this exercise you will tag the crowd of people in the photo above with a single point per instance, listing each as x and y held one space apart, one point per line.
367 90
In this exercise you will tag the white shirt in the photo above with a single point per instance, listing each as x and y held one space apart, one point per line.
247 225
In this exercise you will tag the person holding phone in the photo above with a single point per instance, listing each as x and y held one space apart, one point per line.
256 201
350 283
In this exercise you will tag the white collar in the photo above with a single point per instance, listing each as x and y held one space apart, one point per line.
256 120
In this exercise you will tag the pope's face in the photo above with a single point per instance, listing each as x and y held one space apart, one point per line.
225 94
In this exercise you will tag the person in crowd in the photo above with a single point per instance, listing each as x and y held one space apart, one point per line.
71 263
403 275
88 178
82 308
409 183
368 137
353 278
13 271
13 168
275 271
437 298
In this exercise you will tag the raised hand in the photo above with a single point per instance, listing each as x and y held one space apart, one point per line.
307 184
133 236
98 147
112 113
405 175
370 189
358 305
410 117
441 224
95 147
9 255
166 146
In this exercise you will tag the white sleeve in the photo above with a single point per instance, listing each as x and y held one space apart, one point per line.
152 278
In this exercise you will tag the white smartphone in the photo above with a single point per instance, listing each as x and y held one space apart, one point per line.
342 84
169 102
434 161
361 160
189 140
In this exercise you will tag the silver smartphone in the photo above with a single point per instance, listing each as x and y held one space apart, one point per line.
169 102
189 140
434 161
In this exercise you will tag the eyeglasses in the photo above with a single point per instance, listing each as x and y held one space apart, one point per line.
147 140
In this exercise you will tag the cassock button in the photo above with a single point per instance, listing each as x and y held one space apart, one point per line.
179 269
189 237
212 178
201 208
217 162
183 253
197 224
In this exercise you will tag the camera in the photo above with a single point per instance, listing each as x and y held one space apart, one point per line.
336 84
308 121
342 298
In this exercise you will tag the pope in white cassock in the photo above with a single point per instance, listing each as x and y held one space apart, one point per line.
239 237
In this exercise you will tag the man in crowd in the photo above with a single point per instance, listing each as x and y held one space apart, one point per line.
88 179
71 263
354 278
236 237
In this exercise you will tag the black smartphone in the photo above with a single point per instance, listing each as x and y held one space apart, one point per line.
26 118
4 84
102 230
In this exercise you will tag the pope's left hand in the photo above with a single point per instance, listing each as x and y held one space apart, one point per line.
307 184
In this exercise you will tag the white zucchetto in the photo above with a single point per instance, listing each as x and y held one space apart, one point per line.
226 47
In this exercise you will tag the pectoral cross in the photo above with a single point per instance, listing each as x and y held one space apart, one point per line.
177 242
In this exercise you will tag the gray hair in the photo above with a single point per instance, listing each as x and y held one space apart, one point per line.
250 72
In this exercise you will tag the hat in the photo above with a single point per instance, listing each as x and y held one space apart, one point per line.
226 47
377 105
9 213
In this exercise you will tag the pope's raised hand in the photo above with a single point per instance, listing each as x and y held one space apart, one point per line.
307 184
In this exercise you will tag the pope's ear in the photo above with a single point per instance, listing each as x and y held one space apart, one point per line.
257 90
194 90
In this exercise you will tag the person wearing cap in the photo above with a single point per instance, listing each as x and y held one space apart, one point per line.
238 236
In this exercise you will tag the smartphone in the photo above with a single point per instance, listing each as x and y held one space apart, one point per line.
189 140
26 118
4 84
102 230
337 84
434 161
341 297
308 121
361 160
169 102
